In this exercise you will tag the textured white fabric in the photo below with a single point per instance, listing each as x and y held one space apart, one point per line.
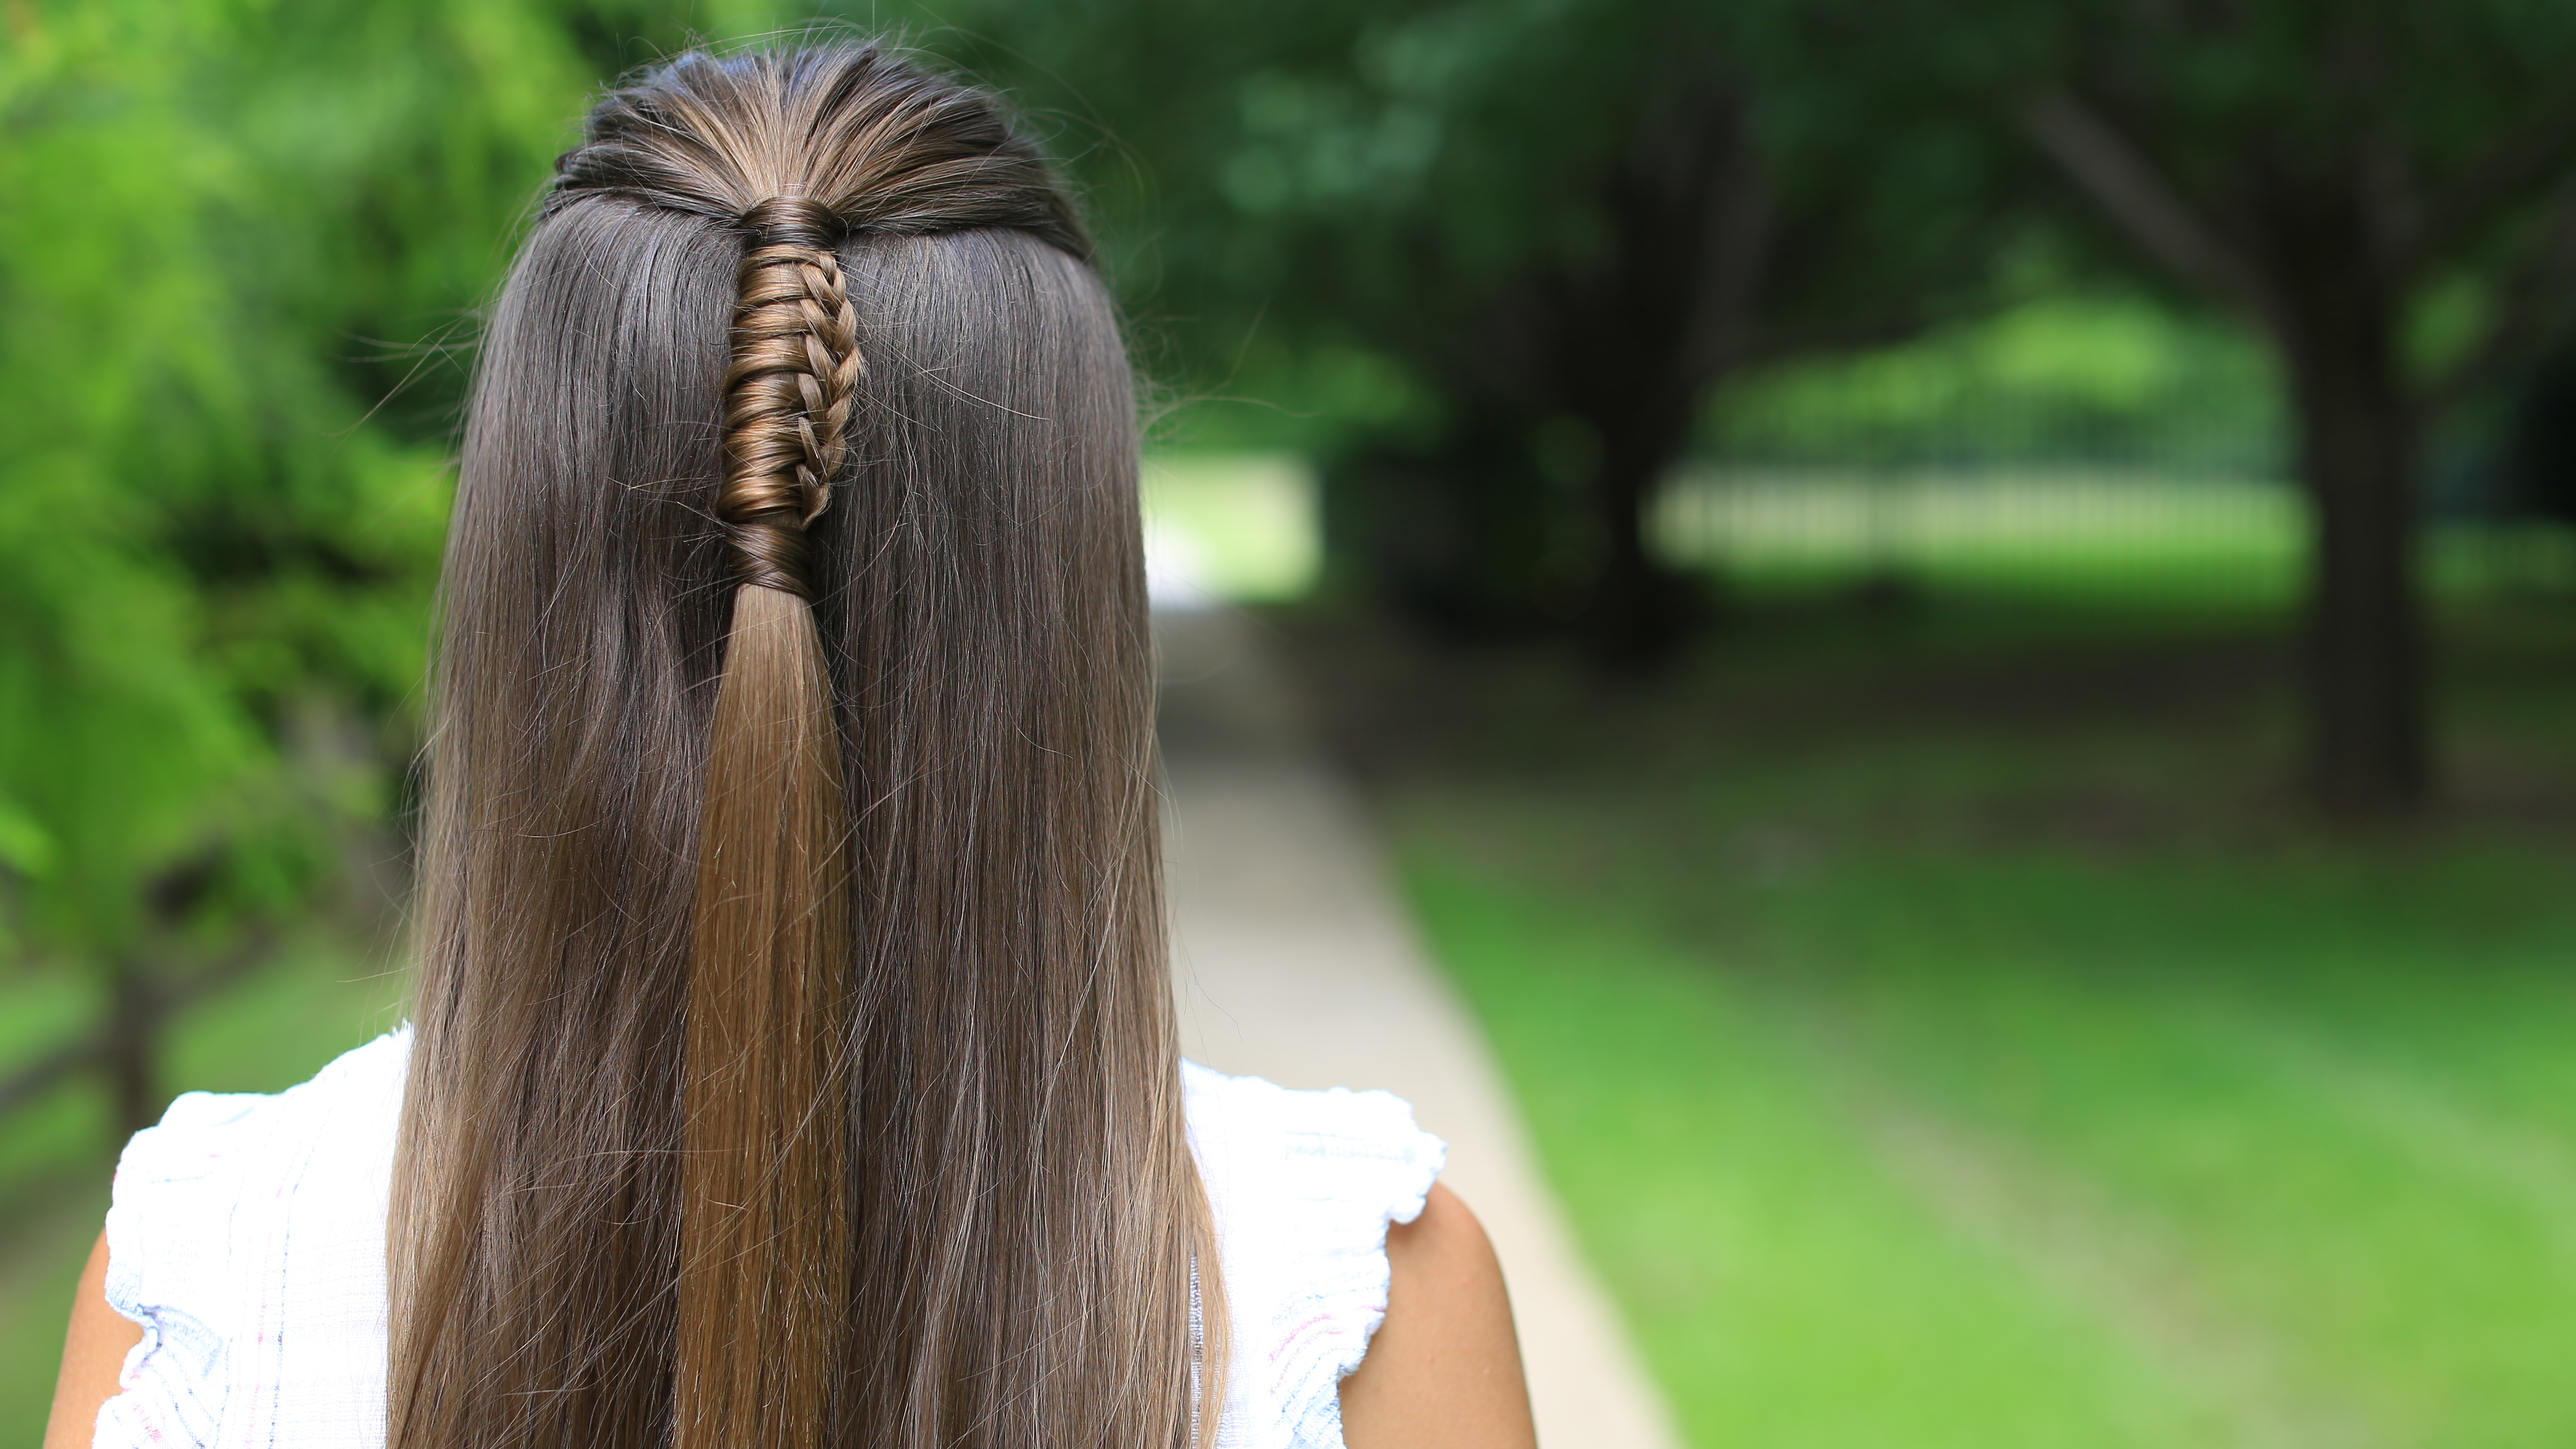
1303 1185
247 1237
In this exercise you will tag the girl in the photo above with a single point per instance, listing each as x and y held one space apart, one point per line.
793 1061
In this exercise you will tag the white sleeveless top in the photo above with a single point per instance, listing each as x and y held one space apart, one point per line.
246 1235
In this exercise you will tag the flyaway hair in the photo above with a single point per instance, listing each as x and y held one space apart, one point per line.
794 1061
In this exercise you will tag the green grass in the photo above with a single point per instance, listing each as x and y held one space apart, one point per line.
1786 1283
1946 1032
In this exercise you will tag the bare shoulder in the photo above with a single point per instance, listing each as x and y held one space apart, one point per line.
93 1352
1444 1371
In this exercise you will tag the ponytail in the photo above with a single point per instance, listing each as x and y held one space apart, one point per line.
764 1233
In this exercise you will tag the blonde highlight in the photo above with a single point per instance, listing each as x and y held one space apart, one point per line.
764 1235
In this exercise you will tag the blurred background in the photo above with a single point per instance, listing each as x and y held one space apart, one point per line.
1959 619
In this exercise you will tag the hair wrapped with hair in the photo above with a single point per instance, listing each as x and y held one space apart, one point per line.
800 472
787 396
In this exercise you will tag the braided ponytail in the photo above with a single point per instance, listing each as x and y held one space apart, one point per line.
763 1230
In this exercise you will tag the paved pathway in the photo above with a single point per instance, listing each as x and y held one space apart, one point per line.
1293 962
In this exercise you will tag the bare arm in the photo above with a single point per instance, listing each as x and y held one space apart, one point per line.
1444 1371
93 1352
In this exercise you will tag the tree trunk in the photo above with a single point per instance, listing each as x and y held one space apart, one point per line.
1639 611
132 1048
2366 729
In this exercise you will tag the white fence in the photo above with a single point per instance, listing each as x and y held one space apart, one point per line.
1747 520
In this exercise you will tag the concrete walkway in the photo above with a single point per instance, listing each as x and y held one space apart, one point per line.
1294 962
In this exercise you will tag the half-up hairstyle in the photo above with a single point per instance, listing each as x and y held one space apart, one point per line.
793 1060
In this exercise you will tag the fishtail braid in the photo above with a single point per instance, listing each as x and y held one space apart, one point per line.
788 394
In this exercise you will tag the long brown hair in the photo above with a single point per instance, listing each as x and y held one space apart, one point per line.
794 1060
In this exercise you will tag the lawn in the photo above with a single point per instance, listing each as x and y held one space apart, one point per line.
1945 1030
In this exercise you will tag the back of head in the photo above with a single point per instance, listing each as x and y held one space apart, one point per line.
794 1058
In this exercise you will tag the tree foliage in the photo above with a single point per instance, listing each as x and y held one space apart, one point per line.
1510 247
236 245
1506 248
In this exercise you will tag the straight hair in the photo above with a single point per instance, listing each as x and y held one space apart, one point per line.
794 1060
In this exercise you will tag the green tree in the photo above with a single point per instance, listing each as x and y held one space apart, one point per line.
218 525
1511 244
2382 190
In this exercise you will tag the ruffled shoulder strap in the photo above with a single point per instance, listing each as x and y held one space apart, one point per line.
246 1236
1303 1186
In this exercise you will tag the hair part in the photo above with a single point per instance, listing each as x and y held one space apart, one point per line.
794 1057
